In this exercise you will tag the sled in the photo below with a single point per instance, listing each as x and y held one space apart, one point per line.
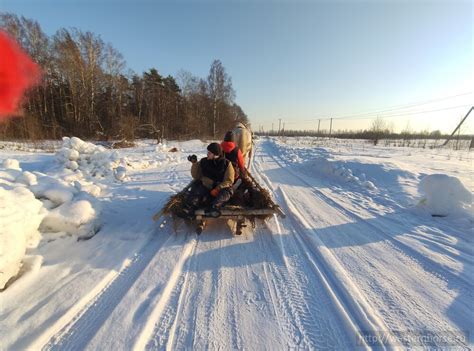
260 207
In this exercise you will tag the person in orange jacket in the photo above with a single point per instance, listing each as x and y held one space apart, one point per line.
234 155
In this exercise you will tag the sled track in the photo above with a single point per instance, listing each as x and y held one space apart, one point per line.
402 248
299 301
355 312
327 260
79 325
160 328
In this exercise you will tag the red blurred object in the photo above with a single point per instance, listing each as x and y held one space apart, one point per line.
17 73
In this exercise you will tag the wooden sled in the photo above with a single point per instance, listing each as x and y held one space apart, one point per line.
242 215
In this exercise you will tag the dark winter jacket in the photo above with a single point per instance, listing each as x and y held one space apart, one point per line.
218 173
234 155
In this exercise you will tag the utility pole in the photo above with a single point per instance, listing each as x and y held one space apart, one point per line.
272 127
283 130
459 125
279 126
319 123
330 128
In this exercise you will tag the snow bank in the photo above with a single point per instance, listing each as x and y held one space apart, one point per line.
336 169
318 162
93 160
444 195
20 217
34 202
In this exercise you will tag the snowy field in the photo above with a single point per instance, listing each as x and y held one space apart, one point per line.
376 250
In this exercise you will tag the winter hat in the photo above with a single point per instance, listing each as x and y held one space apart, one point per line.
215 148
229 136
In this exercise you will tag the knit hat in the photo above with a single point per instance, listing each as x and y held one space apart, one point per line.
229 136
215 148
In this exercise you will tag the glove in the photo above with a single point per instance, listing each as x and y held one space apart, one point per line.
214 192
192 158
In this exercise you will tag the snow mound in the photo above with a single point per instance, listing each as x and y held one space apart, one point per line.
338 170
53 189
92 160
316 163
11 164
20 217
74 217
30 202
444 195
27 178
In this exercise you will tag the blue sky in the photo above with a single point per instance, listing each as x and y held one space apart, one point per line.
296 60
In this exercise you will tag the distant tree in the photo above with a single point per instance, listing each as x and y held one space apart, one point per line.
220 91
238 114
378 129
153 82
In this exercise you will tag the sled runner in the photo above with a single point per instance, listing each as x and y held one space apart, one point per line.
249 203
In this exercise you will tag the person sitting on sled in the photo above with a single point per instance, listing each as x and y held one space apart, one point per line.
214 177
234 155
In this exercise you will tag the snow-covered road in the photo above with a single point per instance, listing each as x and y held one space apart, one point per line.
342 265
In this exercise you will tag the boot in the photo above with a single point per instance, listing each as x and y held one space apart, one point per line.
213 212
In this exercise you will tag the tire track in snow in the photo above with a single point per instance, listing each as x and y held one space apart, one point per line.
355 312
222 299
396 303
193 327
290 303
164 333
232 317
297 306
423 261
300 311
177 280
78 326
402 248
403 295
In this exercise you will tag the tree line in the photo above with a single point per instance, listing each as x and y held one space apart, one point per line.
379 129
87 91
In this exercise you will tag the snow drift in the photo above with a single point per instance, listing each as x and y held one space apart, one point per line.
20 217
444 195
92 160
33 202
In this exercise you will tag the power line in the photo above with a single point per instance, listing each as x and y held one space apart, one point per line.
384 116
402 107
390 108
408 113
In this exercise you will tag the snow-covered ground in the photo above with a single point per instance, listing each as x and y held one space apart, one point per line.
359 261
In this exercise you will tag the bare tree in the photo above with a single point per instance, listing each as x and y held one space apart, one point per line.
220 91
377 129
86 92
